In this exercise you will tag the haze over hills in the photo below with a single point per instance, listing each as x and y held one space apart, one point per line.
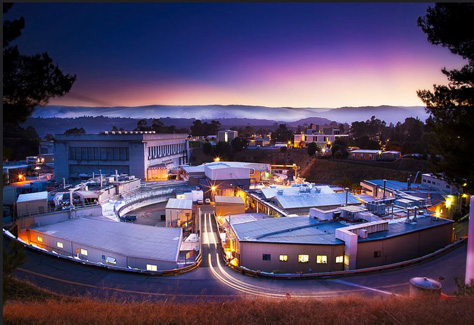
389 114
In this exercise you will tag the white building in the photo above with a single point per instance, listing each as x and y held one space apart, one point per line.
227 135
438 183
138 153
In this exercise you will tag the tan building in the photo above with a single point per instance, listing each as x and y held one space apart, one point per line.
179 212
304 244
32 203
229 204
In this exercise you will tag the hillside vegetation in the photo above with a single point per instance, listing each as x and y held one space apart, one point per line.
346 310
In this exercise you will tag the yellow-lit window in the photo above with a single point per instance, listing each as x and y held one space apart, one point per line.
39 238
59 244
339 259
303 258
322 259
151 267
83 251
283 258
346 260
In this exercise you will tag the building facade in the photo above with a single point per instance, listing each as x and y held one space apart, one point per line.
135 153
227 135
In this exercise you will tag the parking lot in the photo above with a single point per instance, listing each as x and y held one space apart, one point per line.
150 215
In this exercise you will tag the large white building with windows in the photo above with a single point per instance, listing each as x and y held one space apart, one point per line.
145 154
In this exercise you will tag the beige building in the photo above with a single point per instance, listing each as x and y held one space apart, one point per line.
304 244
32 203
179 213
229 204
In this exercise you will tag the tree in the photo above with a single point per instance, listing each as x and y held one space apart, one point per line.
28 81
207 148
451 107
49 137
312 148
75 131
282 134
239 143
142 125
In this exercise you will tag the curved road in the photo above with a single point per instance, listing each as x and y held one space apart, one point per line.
213 280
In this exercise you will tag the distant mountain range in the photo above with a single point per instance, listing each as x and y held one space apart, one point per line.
389 114
57 119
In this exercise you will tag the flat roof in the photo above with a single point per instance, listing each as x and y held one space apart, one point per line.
246 217
270 192
401 227
228 199
305 200
291 230
400 186
365 151
307 230
179 204
158 243
32 197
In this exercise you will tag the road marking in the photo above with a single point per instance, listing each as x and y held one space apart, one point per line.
363 287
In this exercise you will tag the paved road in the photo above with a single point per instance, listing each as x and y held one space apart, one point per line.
213 280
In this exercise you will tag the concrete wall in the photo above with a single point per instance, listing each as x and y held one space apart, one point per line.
251 256
401 248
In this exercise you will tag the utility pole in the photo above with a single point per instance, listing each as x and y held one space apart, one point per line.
470 245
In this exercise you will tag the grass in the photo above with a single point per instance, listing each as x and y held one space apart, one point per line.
14 289
345 310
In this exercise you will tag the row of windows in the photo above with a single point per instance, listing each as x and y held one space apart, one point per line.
320 259
108 259
106 154
165 150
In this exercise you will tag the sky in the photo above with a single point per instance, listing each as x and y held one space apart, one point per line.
322 55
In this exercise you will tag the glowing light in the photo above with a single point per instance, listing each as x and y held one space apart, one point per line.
449 201
324 150
21 177
217 159
213 188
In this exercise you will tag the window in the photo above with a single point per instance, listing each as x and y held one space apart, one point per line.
283 258
377 253
303 258
111 260
39 238
151 267
339 259
83 251
59 244
346 260
267 257
322 259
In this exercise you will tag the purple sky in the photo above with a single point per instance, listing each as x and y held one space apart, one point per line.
269 54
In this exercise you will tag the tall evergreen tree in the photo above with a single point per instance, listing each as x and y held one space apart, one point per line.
451 107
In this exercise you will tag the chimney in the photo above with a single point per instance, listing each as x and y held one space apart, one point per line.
409 183
347 194
384 186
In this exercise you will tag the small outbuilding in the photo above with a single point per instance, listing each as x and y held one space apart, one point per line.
229 204
179 212
32 203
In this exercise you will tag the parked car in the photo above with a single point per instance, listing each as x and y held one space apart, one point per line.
207 201
129 218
